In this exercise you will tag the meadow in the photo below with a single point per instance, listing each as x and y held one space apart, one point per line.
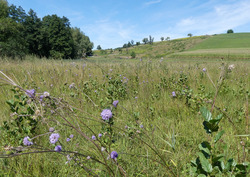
160 124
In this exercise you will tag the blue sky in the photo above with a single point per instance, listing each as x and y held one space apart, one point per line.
111 23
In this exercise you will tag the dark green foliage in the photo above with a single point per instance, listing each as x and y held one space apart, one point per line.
230 31
82 45
51 37
133 55
208 163
98 47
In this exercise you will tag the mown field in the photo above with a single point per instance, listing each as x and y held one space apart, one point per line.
154 131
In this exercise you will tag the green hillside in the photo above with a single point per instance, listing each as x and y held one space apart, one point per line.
233 40
230 46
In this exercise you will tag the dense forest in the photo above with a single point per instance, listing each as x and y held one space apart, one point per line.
24 34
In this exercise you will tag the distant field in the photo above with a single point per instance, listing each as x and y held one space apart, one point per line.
228 46
236 40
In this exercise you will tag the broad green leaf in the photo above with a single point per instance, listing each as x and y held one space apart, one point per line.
201 175
206 166
219 117
206 114
210 127
205 147
218 136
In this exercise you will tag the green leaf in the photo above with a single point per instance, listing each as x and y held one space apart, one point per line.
205 147
201 175
230 164
218 136
219 117
206 114
206 166
210 127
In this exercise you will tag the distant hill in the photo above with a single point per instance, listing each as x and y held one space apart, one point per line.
234 45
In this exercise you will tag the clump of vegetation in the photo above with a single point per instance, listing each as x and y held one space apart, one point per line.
124 118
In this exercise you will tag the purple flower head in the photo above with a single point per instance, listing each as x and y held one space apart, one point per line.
126 127
93 137
71 136
106 114
204 69
54 138
173 94
26 141
141 126
51 129
31 93
41 98
46 94
99 135
68 139
115 103
58 148
114 155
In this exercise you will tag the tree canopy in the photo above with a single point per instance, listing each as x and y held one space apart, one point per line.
52 36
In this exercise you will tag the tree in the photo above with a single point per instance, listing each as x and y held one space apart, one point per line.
138 43
167 38
162 38
98 47
129 44
12 42
32 31
132 54
190 35
151 40
58 41
145 40
132 42
82 44
230 31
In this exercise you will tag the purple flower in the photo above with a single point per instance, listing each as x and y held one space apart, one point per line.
141 126
26 141
93 137
31 93
46 94
51 129
204 69
68 139
99 135
114 155
58 148
115 103
41 98
71 136
106 114
173 94
126 127
54 138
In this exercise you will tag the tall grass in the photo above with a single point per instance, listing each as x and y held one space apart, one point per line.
172 126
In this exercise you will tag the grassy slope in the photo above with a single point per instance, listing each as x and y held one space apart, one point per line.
229 46
236 45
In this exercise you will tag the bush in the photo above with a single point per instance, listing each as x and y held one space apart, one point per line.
230 31
133 55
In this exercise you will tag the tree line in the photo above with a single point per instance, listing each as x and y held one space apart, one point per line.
51 37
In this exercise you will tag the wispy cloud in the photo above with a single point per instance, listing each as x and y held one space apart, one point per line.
152 2
109 34
222 17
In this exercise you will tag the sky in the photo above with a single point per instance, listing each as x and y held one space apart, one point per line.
112 23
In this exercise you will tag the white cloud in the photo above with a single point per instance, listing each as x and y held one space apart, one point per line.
109 34
222 17
152 2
